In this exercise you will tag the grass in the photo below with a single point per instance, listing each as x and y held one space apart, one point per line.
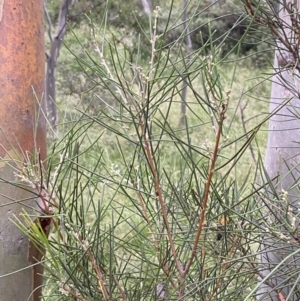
201 133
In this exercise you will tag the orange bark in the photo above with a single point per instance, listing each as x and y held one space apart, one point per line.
22 71
22 128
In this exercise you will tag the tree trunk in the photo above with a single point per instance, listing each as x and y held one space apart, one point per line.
146 6
281 161
52 62
22 74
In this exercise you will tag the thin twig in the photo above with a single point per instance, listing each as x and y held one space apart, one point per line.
160 197
73 294
99 275
242 109
154 239
207 191
284 40
268 282
49 22
146 142
120 289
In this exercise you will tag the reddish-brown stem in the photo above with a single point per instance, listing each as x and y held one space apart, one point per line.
249 6
160 198
206 191
278 35
74 295
97 270
161 201
120 289
282 40
165 269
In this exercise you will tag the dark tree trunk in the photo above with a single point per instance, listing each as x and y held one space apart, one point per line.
52 57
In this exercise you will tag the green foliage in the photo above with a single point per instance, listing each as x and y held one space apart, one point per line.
225 23
230 28
142 206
